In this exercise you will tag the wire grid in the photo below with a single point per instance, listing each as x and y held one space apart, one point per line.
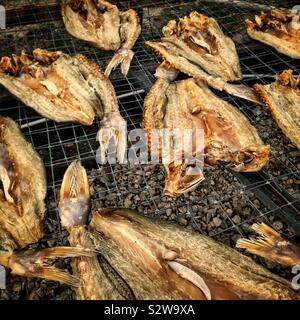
59 144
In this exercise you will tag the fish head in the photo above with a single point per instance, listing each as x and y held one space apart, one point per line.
142 256
181 179
251 160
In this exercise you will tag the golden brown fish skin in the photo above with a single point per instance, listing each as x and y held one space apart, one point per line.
282 97
154 112
103 86
74 207
100 29
182 64
197 47
147 275
56 90
228 135
66 89
22 210
129 32
23 180
277 29
272 246
104 26
112 123
201 40
149 245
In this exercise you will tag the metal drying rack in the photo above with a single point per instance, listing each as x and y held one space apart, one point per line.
32 24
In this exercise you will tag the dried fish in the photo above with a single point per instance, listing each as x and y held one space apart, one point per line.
22 209
278 29
228 135
141 250
22 174
272 246
282 97
99 281
104 26
197 46
66 89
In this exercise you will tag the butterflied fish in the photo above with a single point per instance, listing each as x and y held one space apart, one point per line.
282 97
22 209
278 29
272 246
197 46
104 26
190 105
160 260
99 281
22 189
66 88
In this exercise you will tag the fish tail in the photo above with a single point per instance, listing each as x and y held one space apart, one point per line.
74 204
124 57
242 91
113 126
54 274
166 71
271 245
65 252
31 263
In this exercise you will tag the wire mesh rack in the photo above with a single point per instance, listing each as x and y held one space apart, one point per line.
225 205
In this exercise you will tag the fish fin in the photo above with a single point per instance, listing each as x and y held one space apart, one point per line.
190 275
166 71
64 252
112 126
4 178
124 57
54 274
271 246
90 241
75 182
242 91
32 263
74 202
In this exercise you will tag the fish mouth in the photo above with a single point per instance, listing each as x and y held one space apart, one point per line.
177 183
